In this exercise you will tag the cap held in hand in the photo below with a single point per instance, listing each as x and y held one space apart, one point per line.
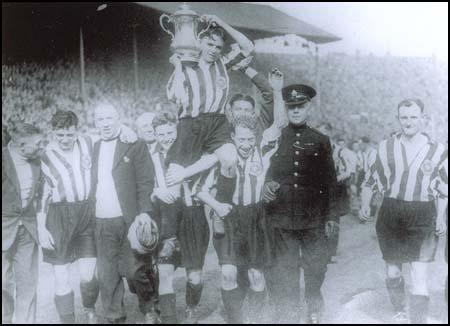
143 237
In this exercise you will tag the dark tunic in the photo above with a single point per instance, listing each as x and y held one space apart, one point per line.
304 168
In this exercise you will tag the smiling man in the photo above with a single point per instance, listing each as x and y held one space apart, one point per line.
66 222
145 129
201 90
244 247
184 229
407 169
122 185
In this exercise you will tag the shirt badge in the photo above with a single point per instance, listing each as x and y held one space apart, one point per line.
126 159
427 167
255 168
221 83
86 162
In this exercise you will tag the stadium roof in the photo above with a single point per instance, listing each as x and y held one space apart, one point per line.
264 20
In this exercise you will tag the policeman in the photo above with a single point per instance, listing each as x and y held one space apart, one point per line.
297 190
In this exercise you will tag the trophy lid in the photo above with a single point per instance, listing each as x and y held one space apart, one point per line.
185 10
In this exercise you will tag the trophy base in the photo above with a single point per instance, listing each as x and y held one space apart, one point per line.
188 55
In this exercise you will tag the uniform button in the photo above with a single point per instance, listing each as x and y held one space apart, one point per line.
295 185
298 135
295 174
297 152
296 163
297 142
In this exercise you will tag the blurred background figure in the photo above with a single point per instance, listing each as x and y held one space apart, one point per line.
145 128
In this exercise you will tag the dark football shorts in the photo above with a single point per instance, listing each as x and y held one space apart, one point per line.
193 235
247 239
199 135
188 224
406 231
72 226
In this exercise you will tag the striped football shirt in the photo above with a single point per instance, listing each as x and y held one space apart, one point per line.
188 187
366 157
206 85
416 180
343 160
251 173
67 177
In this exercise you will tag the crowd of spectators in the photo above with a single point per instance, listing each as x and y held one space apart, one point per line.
357 94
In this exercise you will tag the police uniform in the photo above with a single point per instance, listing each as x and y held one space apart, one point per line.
304 168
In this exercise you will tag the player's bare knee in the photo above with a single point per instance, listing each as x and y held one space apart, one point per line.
87 268
257 281
393 271
166 275
62 279
229 277
419 272
194 277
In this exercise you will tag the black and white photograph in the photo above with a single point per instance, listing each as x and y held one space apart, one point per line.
224 163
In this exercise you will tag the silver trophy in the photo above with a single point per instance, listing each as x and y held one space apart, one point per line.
185 35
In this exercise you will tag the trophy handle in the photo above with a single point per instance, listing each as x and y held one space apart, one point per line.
206 29
161 22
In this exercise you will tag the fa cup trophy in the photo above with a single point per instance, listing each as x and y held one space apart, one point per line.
185 35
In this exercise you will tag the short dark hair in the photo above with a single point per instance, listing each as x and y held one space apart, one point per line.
244 121
20 129
63 119
164 118
410 102
215 31
242 97
365 139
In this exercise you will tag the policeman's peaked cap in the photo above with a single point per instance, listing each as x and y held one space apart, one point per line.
298 94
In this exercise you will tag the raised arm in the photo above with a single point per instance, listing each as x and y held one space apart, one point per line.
244 43
276 81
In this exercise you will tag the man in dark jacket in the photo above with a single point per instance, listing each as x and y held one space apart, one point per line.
299 184
21 183
122 185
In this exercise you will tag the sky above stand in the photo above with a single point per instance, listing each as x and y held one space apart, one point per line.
400 29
